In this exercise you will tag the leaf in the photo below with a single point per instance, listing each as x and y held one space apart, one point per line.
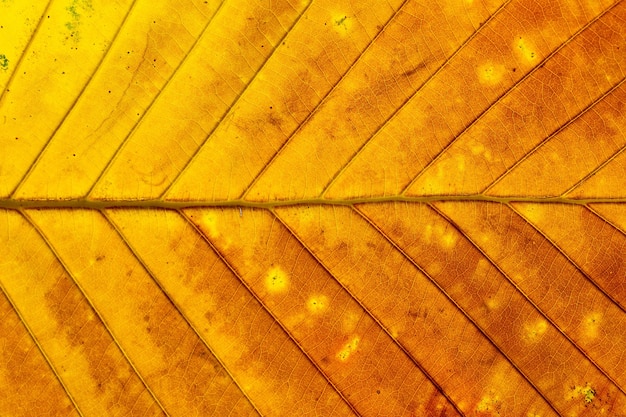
317 207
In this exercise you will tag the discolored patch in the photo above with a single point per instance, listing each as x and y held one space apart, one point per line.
490 404
342 23
348 349
490 73
526 50
276 280
591 324
317 304
534 331
584 392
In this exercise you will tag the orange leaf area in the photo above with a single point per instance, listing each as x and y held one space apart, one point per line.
313 208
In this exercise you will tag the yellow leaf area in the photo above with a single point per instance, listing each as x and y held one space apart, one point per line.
313 208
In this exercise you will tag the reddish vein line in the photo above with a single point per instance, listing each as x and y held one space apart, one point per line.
505 94
7 87
566 256
467 315
258 300
156 97
36 342
91 305
232 106
320 103
42 151
177 308
409 99
376 320
535 306
555 133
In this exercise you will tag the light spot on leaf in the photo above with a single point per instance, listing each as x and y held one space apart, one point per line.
348 349
584 392
490 73
276 280
489 404
317 304
209 221
342 23
534 331
526 50
591 323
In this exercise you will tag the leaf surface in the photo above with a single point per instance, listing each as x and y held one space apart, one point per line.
312 207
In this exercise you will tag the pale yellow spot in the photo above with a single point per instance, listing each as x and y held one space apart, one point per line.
276 280
533 414
490 74
591 323
348 349
342 23
317 304
209 221
447 237
492 303
584 392
526 50
533 332
489 404
534 213
477 148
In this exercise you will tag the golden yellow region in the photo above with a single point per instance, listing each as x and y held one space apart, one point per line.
586 392
342 23
490 73
534 331
526 50
317 304
591 324
533 414
348 349
446 235
477 148
209 221
276 280
489 404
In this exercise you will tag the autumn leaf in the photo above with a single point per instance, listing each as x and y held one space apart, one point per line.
312 207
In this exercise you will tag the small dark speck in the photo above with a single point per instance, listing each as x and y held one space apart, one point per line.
109 91
377 391
514 69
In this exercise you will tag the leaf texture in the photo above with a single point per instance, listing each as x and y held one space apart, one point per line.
312 207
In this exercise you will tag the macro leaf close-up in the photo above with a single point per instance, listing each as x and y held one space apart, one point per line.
313 208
